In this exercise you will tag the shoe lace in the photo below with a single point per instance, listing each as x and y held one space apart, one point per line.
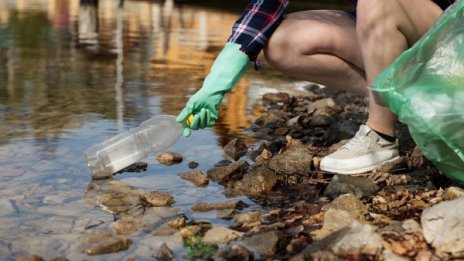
355 142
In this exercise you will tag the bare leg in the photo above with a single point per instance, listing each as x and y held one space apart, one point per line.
319 46
386 29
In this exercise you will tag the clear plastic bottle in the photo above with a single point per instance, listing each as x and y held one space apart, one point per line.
153 135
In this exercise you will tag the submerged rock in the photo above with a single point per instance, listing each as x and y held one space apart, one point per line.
170 158
127 226
443 227
205 207
221 235
103 242
257 181
157 198
196 177
343 184
224 174
235 149
193 165
31 258
295 160
164 253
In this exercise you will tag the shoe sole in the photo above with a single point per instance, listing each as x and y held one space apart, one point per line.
360 171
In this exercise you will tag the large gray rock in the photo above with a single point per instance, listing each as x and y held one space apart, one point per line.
353 239
295 160
443 227
257 181
342 184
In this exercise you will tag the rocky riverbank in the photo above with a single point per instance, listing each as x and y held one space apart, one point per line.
405 210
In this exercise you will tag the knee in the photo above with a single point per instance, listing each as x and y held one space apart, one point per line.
287 43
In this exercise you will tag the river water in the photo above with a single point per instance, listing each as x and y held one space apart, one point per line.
74 73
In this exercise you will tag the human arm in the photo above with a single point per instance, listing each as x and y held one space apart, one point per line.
249 35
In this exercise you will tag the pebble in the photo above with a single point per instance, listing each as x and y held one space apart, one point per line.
170 158
157 198
196 177
193 165
127 226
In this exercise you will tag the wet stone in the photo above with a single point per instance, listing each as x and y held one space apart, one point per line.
234 252
205 207
223 174
197 178
342 184
193 165
169 158
164 253
221 235
157 198
177 222
257 181
31 258
235 149
295 160
103 242
267 243
127 226
247 217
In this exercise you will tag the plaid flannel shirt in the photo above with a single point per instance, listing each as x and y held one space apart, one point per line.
256 25
261 18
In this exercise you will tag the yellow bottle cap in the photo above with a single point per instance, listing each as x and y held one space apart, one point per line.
189 120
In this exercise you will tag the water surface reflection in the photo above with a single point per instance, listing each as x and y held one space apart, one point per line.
73 73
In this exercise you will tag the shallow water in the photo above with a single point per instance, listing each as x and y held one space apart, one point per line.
73 74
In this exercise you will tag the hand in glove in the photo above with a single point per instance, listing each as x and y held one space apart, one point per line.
228 68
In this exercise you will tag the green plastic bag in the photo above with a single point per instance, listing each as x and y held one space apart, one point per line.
424 86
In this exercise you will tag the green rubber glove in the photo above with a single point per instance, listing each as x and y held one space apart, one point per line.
228 68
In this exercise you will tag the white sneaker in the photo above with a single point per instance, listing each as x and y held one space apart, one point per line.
363 153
